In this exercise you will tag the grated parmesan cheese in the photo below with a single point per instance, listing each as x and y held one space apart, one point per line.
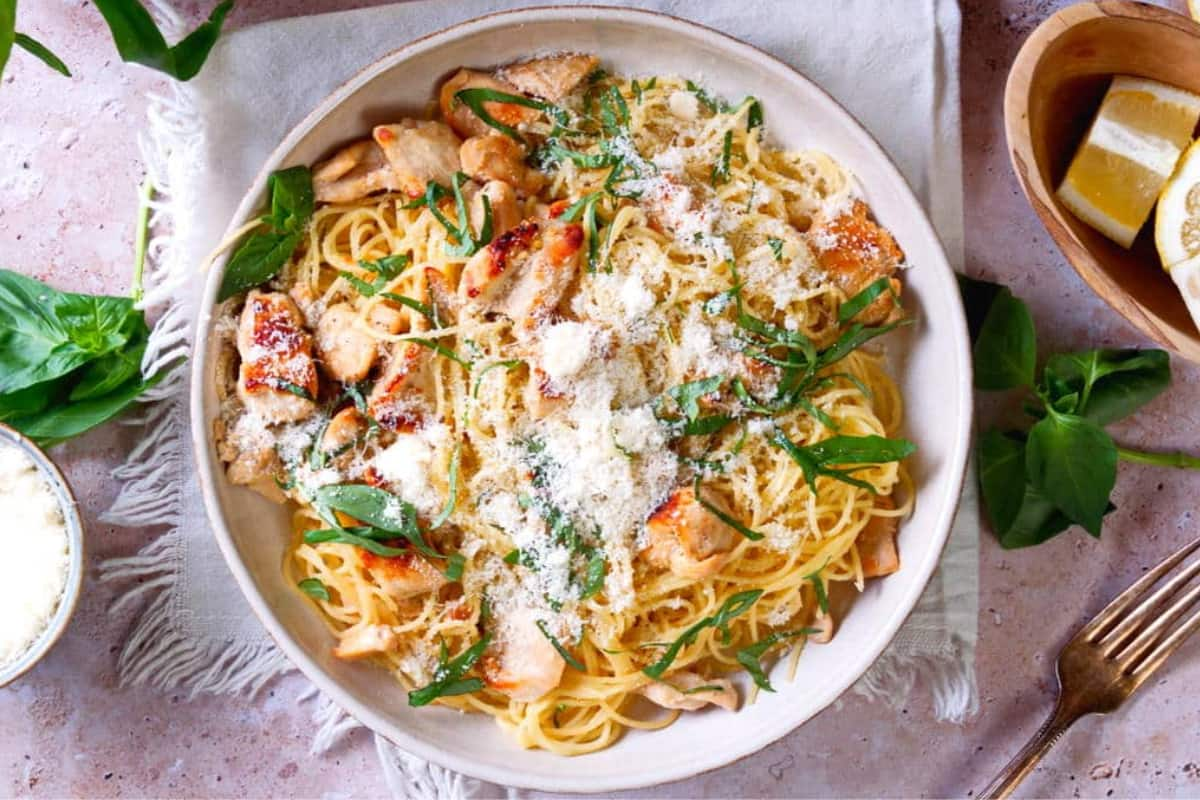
34 537
407 463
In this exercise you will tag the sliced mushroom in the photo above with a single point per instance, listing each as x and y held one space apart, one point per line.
877 542
688 539
687 691
366 640
419 152
551 78
855 252
353 173
525 665
404 576
463 120
347 351
277 379
496 157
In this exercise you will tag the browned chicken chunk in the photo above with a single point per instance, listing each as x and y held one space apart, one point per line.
402 577
366 640
397 402
551 78
277 380
353 173
877 542
687 691
686 538
523 664
855 252
419 152
346 350
496 157
463 120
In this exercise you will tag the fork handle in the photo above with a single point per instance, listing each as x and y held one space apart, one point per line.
1024 762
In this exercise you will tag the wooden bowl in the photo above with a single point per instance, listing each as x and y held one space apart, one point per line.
1054 88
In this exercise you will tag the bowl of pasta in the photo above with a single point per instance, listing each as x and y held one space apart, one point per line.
573 422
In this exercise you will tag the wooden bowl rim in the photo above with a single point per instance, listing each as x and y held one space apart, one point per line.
1053 217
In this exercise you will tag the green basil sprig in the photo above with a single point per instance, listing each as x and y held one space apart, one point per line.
737 604
68 362
448 678
818 459
474 99
262 254
1059 469
139 40
380 509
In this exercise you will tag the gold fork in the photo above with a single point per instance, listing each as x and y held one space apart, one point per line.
1112 656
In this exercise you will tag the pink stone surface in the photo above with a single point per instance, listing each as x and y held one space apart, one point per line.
69 169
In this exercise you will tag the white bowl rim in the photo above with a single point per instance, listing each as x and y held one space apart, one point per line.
72 588
200 429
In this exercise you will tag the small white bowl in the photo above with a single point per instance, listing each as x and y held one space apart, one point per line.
930 360
70 597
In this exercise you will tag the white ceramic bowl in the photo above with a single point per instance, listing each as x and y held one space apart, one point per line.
70 597
932 365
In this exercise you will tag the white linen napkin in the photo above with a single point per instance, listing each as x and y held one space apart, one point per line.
892 63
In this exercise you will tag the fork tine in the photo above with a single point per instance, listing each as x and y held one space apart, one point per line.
1093 629
1147 638
1166 647
1126 628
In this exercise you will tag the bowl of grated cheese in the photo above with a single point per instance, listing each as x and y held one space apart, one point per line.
43 533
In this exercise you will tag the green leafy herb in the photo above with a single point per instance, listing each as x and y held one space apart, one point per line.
732 522
1061 471
454 567
314 588
819 589
687 395
385 269
614 113
586 207
735 605
750 656
594 581
8 30
754 117
855 305
818 459
711 103
475 99
262 254
427 311
376 507
776 246
360 537
571 660
139 40
463 241
441 350
452 499
720 170
448 678
39 50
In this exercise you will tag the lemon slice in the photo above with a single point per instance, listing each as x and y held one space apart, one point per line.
1177 226
1128 155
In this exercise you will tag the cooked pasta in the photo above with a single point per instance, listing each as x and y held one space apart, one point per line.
567 390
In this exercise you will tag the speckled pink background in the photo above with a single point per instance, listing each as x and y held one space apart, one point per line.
69 169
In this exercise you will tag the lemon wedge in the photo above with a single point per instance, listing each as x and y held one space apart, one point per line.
1128 155
1177 228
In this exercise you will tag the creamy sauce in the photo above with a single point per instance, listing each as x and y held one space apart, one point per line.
34 538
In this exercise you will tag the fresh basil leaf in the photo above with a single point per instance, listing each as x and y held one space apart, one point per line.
713 104
314 588
734 606
1111 384
687 395
357 538
855 305
115 369
8 32
448 677
977 297
452 499
62 422
442 350
816 459
720 170
819 590
454 567
1005 352
474 99
594 581
708 687
754 117
40 51
376 507
750 656
776 246
571 660
139 40
1001 478
855 337
33 399
262 254
1073 462
46 334
1036 521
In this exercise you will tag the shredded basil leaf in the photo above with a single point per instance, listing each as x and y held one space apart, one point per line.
448 677
452 499
572 662
749 656
474 99
776 247
732 607
314 588
852 307
749 533
720 170
508 366
454 567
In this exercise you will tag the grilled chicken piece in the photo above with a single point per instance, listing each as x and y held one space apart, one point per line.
344 430
496 157
527 665
346 351
463 120
277 369
254 467
366 640
823 623
551 78
877 542
353 173
855 252
671 693
542 399
688 539
419 152
503 202
397 402
524 272
385 318
402 577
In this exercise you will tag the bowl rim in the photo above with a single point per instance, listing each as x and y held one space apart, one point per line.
72 589
201 431
1040 195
